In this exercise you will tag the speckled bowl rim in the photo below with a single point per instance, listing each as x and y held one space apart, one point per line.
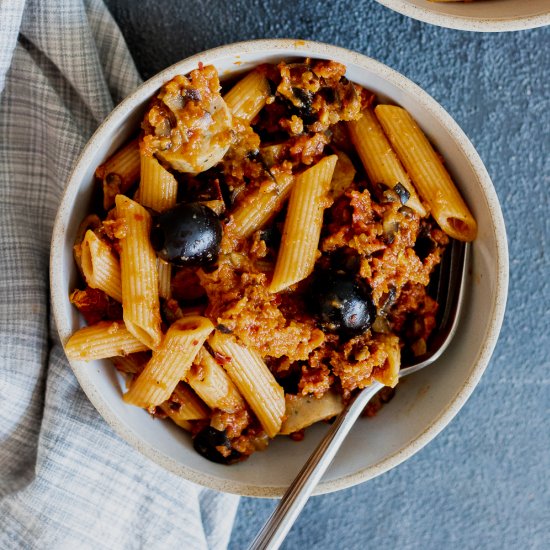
467 23
302 48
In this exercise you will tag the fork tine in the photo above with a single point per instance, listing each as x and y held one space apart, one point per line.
450 276
449 293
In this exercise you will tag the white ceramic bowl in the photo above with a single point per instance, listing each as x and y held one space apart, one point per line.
423 405
483 16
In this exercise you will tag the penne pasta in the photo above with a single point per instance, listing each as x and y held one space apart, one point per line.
139 273
158 188
247 98
100 266
260 206
212 384
303 222
379 159
119 172
130 364
428 173
92 222
184 405
165 276
102 340
304 410
170 362
254 381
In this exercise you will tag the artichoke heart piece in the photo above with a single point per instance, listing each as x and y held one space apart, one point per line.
304 410
189 126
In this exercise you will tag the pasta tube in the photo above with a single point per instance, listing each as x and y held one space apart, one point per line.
213 385
130 364
119 172
427 172
303 222
102 340
185 405
158 188
165 276
100 266
379 159
170 362
254 381
139 273
260 206
247 98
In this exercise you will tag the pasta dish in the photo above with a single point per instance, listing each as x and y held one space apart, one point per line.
263 250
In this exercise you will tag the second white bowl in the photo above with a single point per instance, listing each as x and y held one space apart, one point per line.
482 16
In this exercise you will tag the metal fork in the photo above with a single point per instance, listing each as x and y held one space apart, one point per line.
449 293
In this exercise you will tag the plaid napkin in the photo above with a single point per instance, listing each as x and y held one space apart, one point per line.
66 480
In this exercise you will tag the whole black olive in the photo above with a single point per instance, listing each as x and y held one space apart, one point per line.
187 235
207 441
341 303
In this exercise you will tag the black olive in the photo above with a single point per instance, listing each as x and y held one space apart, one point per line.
345 259
404 195
271 236
304 98
187 235
256 156
193 94
342 303
388 299
253 154
423 247
206 441
328 94
290 382
407 212
223 329
301 105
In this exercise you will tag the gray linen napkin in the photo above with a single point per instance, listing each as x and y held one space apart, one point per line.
66 480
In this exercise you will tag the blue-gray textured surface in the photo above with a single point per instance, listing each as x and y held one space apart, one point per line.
484 482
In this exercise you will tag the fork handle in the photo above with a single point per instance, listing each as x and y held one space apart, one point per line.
283 517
